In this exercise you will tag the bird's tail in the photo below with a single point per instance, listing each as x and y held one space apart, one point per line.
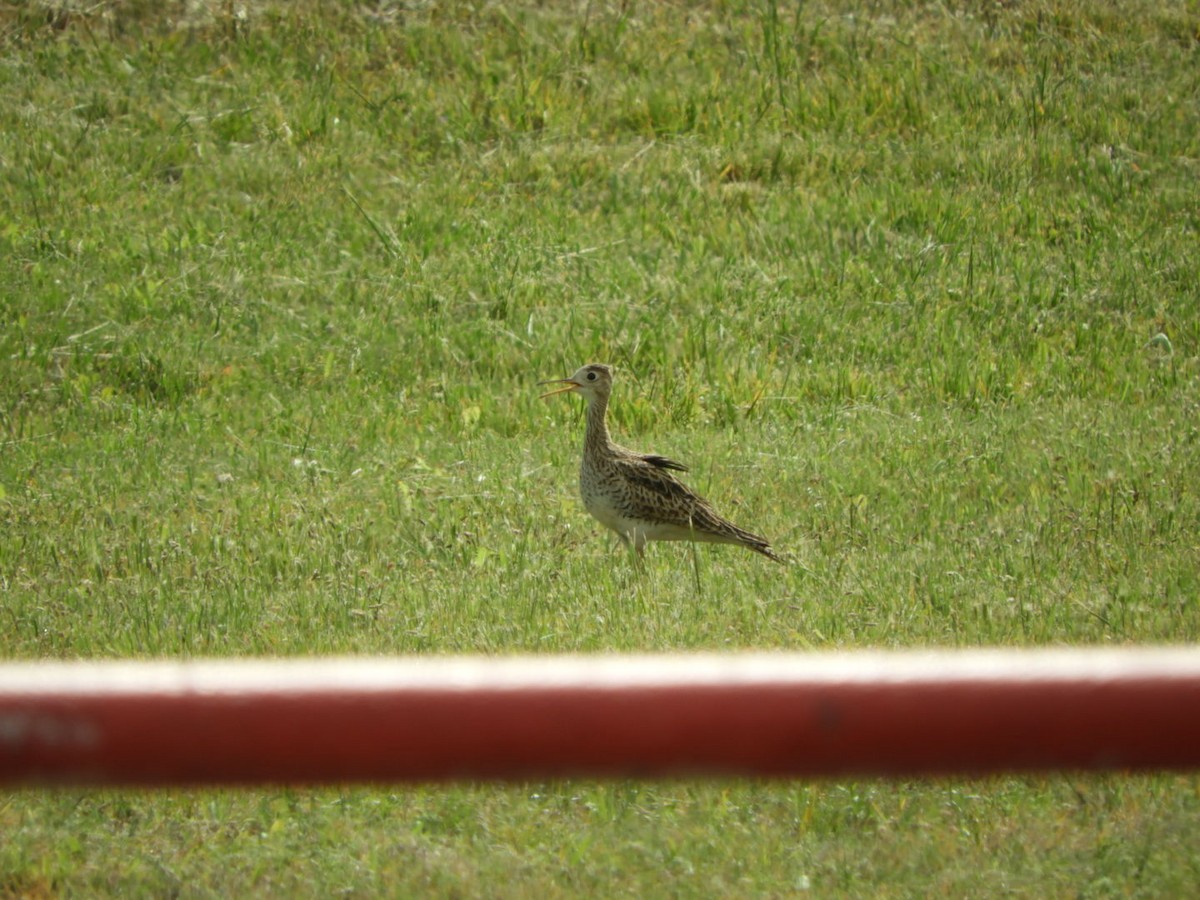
757 543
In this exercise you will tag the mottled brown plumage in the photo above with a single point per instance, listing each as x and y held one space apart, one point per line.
635 494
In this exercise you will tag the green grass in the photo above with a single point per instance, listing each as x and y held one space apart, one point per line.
276 288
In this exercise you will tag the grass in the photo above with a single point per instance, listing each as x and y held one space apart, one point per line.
912 288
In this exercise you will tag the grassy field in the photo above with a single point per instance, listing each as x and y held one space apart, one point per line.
914 289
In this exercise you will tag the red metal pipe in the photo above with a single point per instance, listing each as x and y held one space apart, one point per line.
783 715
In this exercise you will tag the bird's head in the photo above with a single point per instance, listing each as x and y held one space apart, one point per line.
592 380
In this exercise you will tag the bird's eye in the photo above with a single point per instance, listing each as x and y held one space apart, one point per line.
591 376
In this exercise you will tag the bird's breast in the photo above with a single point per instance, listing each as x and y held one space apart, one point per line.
603 497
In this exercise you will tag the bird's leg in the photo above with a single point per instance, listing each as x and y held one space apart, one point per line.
635 551
639 556
696 568
638 543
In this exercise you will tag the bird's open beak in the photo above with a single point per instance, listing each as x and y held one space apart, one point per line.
570 386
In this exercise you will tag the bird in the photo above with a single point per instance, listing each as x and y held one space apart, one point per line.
636 494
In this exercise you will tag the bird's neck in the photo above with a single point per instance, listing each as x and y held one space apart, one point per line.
596 437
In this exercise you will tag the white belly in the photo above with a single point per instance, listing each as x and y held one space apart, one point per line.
638 531
606 513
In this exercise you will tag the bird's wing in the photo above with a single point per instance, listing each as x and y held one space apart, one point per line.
662 462
653 494
658 496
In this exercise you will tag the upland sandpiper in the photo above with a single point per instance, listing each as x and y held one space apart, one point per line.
635 494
